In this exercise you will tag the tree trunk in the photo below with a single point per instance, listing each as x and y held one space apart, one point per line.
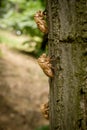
67 43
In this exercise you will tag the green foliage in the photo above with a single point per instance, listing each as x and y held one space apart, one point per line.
7 39
22 43
18 15
43 128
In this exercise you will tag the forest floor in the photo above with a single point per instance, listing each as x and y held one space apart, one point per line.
23 88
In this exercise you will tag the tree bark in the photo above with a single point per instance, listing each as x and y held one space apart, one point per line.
67 43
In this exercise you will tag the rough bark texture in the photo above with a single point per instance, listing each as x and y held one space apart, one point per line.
67 39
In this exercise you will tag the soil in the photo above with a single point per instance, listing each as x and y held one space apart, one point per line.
23 88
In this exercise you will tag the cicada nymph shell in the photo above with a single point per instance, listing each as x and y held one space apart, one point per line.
40 20
45 110
44 62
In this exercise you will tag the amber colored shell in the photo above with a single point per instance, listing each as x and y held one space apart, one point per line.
40 21
45 64
45 110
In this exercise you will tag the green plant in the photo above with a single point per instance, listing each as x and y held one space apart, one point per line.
43 128
19 15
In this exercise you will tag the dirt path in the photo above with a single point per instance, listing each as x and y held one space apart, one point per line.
23 88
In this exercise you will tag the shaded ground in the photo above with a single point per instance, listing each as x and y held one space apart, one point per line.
23 88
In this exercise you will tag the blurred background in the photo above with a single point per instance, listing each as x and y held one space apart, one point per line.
23 85
17 18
